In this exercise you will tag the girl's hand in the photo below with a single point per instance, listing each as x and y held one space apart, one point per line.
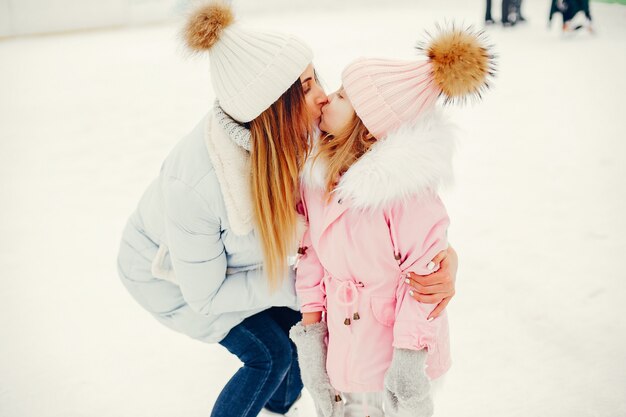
312 350
406 386
438 287
310 318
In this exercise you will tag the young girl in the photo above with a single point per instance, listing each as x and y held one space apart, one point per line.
369 195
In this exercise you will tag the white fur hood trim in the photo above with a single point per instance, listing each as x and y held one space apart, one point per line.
410 161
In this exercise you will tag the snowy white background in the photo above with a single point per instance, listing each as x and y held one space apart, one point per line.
539 322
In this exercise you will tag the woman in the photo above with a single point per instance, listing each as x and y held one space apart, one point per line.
205 252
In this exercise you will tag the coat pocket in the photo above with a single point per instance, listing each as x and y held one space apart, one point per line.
384 310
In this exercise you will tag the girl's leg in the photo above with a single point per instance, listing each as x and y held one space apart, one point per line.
266 353
290 389
436 386
361 404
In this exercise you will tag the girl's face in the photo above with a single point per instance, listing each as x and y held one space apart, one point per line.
337 113
313 93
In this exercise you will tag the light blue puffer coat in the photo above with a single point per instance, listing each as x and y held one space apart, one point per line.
189 254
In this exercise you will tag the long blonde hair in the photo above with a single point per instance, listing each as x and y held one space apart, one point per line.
280 144
344 149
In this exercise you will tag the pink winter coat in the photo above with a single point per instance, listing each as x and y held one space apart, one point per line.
384 220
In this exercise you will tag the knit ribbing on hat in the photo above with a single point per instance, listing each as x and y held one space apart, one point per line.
251 70
235 131
386 94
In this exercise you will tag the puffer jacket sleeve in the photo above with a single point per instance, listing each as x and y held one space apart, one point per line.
309 270
419 232
199 260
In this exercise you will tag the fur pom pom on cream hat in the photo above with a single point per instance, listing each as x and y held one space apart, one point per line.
250 69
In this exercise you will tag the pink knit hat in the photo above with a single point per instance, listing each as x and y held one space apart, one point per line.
387 93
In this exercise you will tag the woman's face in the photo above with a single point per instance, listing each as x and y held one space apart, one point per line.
337 113
313 93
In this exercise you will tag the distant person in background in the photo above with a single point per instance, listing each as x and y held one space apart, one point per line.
506 10
576 14
518 10
488 19
512 12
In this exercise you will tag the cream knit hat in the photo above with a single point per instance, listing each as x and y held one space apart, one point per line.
387 93
250 69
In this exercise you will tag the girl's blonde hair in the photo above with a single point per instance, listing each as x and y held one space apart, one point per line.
344 149
280 143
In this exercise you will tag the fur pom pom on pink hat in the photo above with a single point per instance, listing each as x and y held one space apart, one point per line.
388 93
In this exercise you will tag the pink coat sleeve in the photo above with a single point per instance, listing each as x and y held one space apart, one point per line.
309 271
419 232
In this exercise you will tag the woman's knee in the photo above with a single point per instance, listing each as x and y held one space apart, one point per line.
276 357
259 343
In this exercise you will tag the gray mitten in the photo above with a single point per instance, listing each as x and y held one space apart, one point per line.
407 388
312 359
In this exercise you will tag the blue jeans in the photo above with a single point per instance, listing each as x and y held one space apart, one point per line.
270 375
